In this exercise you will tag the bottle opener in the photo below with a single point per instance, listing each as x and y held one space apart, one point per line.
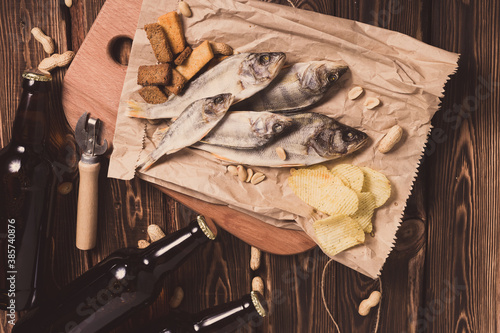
87 135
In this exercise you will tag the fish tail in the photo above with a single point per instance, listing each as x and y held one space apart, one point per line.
146 163
137 110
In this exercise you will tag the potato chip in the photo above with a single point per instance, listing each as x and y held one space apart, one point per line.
352 174
378 184
338 233
365 211
324 191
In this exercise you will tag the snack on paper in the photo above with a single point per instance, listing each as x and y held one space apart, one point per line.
365 211
152 94
172 25
324 191
378 184
154 75
351 175
159 42
200 56
177 83
338 233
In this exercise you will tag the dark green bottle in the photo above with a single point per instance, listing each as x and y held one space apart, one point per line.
126 281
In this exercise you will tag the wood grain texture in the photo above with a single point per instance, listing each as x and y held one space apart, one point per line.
464 193
442 275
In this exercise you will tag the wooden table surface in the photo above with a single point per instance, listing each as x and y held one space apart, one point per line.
443 273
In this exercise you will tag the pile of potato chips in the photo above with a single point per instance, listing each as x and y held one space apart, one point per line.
349 194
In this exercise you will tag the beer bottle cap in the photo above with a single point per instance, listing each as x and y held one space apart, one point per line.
37 75
258 302
204 227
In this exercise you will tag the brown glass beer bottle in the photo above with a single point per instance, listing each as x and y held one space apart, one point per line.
126 281
226 318
26 192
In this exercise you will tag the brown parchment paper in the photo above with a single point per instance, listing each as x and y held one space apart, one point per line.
407 75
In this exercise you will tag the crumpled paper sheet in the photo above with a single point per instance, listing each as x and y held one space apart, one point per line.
407 75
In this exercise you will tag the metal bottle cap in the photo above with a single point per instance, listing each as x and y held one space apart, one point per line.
258 302
37 75
204 227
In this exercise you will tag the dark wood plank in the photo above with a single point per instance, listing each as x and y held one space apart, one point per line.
464 194
441 276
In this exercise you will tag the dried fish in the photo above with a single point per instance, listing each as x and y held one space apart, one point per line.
242 75
296 87
191 126
313 138
247 129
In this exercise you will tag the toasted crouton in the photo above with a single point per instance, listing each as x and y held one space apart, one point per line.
200 56
172 25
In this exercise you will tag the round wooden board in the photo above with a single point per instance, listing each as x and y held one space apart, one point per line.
93 84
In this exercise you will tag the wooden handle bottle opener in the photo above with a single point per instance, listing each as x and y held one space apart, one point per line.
87 134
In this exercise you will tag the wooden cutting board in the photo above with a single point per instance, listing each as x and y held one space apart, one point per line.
93 83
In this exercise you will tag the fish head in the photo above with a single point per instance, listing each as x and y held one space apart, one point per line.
214 108
271 124
337 140
321 75
259 69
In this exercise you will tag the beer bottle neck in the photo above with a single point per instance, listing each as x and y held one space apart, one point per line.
168 253
230 316
30 124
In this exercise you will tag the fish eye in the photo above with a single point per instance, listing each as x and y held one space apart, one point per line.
332 77
277 128
264 59
218 100
348 137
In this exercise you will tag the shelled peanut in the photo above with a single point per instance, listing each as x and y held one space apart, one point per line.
246 174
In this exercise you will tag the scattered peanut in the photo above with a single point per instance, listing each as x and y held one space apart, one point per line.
246 175
254 258
155 232
68 3
370 302
64 188
371 102
232 170
47 42
281 153
177 297
258 285
221 48
56 60
142 244
390 139
257 178
242 173
355 93
185 9
249 175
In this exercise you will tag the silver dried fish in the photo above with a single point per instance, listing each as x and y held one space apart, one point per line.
242 75
247 129
313 138
191 126
296 87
